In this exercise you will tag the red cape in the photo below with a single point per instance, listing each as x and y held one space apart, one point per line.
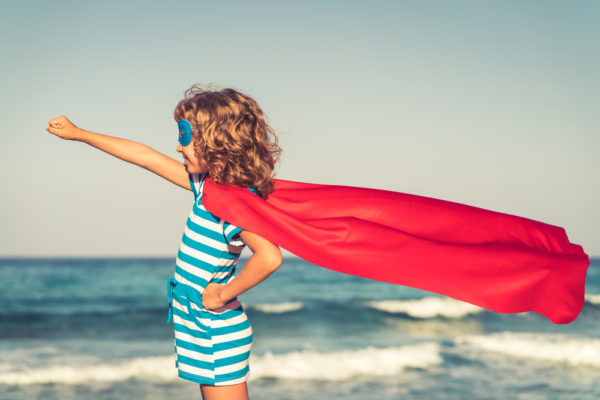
498 261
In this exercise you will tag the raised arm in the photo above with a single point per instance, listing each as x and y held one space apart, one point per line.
127 150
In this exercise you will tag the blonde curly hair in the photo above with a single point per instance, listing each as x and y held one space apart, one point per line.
231 138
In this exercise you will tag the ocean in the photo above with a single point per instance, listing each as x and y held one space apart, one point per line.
96 329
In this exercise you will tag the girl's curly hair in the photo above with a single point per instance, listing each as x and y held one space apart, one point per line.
231 137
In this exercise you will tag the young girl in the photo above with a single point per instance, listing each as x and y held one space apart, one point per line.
222 135
501 262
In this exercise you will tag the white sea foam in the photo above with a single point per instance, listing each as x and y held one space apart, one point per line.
428 307
278 308
156 368
592 298
340 365
576 351
307 364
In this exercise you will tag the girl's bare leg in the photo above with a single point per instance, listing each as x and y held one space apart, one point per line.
230 392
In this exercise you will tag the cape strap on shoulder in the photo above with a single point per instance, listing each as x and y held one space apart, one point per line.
501 262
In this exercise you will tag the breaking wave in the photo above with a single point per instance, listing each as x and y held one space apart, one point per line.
341 365
277 308
157 368
593 298
428 307
297 365
551 348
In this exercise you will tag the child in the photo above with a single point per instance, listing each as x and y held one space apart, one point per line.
222 135
498 261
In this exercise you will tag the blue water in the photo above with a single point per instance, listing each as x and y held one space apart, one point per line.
95 329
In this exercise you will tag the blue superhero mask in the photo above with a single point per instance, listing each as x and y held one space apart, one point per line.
185 132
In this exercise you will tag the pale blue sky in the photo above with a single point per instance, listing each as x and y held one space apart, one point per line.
492 104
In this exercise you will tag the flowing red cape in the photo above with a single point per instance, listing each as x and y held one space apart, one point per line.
501 262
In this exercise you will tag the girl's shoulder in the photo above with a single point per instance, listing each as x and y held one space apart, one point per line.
197 183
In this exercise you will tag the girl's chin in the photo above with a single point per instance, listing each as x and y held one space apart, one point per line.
193 170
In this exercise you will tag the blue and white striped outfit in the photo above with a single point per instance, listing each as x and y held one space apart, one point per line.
212 346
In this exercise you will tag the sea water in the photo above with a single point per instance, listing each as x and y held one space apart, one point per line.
95 329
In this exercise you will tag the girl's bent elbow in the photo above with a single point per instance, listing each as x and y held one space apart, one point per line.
275 259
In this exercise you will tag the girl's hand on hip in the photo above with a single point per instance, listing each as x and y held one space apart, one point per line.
63 128
211 296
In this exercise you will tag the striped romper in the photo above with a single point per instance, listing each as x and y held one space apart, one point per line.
212 346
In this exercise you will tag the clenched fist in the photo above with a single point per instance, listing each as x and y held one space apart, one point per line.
211 296
63 128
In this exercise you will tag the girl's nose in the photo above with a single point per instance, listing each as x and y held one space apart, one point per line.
179 148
